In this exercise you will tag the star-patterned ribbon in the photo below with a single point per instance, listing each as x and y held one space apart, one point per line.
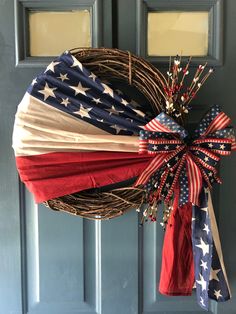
210 274
186 162
189 165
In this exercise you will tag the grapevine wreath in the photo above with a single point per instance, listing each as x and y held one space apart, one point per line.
110 64
84 147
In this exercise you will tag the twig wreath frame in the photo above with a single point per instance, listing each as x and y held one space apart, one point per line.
124 66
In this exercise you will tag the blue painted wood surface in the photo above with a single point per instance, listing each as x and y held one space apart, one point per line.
53 263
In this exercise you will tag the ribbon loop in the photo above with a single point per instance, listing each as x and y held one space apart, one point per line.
183 169
163 138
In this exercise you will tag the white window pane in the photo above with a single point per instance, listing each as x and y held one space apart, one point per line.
50 33
183 33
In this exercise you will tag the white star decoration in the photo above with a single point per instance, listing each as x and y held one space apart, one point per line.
83 111
112 110
65 101
34 82
205 209
76 63
204 264
217 293
51 66
202 301
210 145
63 77
47 91
107 90
93 76
222 146
138 112
79 89
214 273
155 147
202 282
204 247
96 100
206 158
117 128
124 102
206 228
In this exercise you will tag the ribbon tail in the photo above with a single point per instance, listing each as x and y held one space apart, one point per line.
194 179
210 275
219 289
202 248
177 274
155 164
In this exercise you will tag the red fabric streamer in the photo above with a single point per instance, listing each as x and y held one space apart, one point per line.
56 174
177 270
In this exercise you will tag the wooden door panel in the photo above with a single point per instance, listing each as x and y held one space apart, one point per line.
54 263
119 265
61 256
218 90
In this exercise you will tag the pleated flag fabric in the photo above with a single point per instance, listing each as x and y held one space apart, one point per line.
73 132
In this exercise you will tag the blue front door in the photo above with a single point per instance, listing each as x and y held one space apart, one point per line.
54 263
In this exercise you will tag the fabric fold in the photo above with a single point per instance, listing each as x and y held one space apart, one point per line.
210 274
177 269
73 132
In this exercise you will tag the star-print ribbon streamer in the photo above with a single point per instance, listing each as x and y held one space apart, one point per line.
183 161
210 274
186 167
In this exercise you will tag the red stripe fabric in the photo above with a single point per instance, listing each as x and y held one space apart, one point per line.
233 145
195 180
154 165
155 125
143 145
177 274
56 174
176 177
220 122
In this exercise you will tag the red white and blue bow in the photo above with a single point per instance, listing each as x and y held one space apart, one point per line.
182 161
186 167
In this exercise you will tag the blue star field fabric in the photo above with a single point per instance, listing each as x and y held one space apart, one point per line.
210 275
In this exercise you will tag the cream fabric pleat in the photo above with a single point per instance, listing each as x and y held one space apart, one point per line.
41 129
216 237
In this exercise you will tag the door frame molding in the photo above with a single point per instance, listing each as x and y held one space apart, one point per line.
21 14
215 9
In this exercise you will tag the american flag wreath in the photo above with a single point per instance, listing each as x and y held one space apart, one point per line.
74 132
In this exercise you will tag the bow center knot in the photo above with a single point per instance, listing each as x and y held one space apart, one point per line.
188 140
